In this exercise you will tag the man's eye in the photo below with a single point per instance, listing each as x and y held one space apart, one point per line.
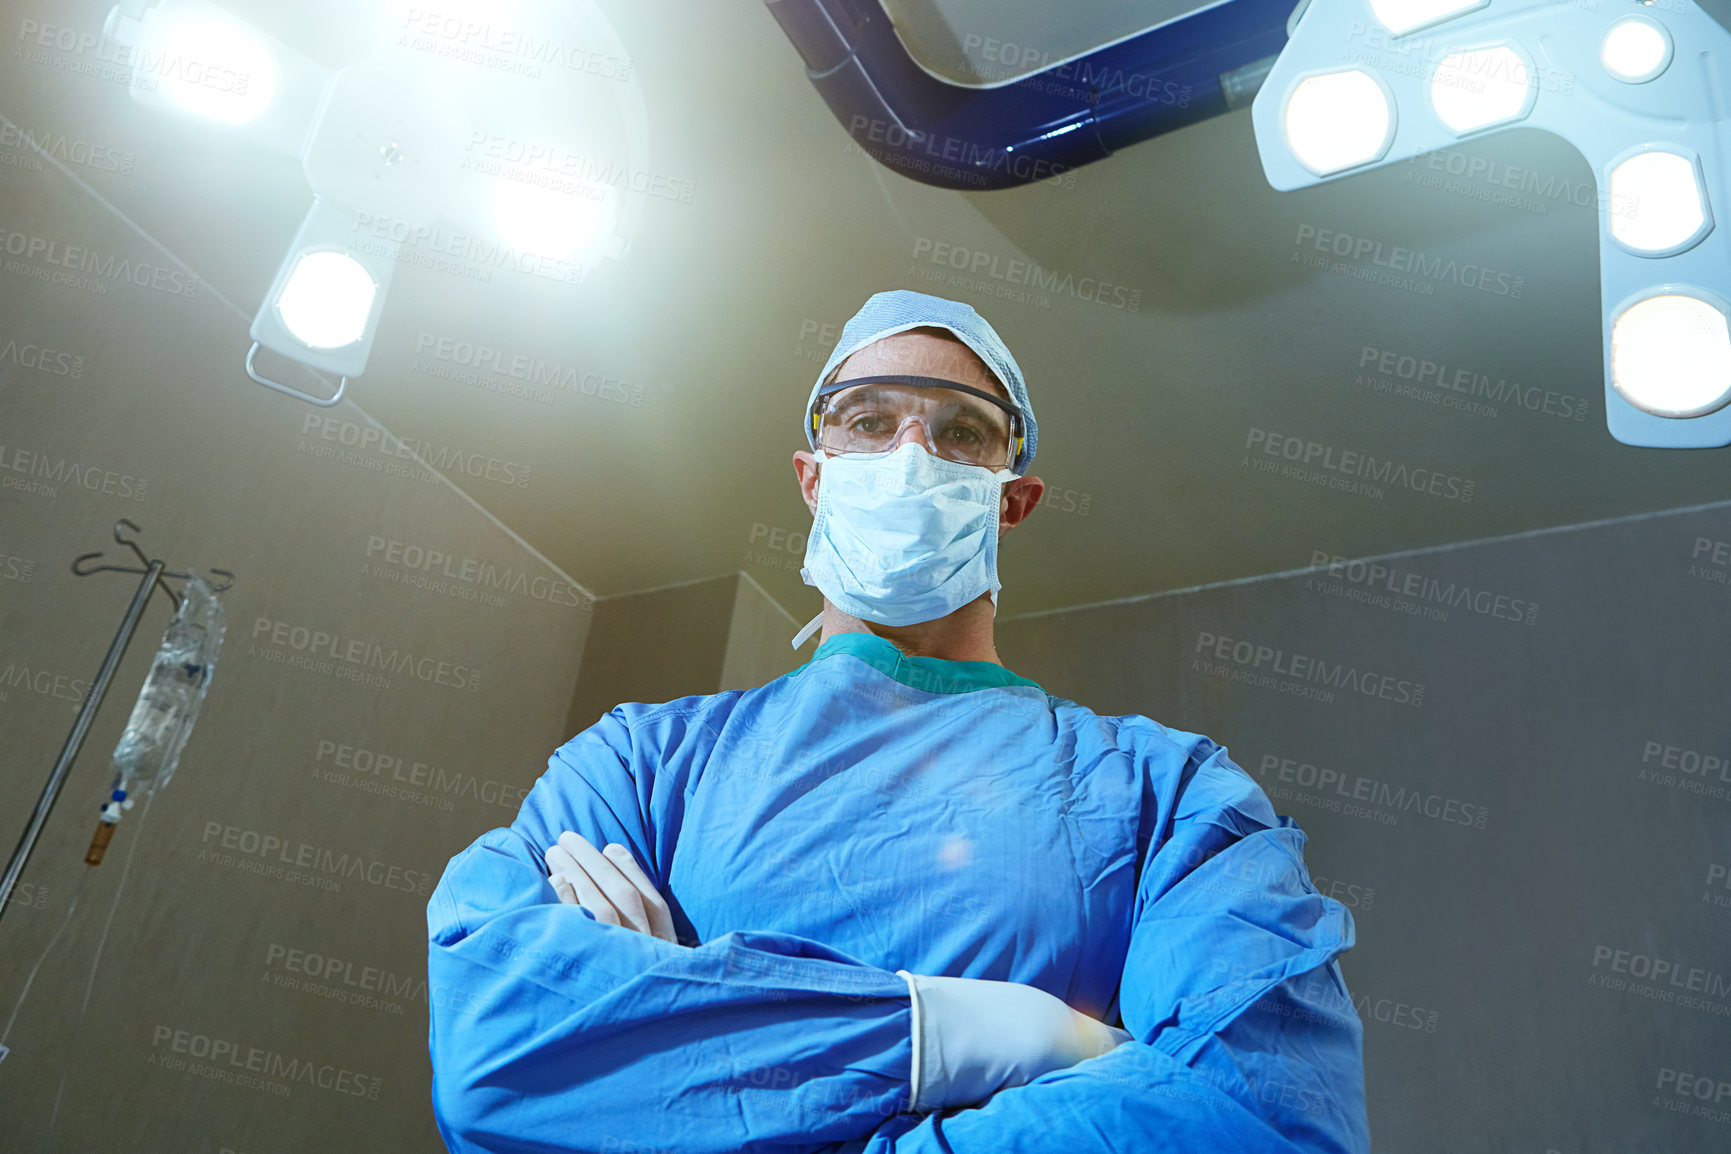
963 435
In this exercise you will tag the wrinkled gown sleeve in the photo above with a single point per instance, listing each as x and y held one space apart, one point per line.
1245 1038
551 1031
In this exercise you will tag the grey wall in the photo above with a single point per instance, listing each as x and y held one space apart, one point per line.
701 637
1513 761
374 708
758 639
653 646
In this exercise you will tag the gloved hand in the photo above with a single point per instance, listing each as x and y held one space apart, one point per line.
609 884
974 1037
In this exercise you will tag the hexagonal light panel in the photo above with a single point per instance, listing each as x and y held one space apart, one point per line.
1480 88
1661 208
1671 356
1403 16
1338 120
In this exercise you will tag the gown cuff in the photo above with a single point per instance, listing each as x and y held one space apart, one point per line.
915 1068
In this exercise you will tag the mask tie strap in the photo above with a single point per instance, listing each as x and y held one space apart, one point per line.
803 635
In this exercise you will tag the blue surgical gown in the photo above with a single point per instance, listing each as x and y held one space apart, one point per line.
870 812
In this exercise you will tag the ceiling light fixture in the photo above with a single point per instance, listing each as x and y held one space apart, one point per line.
1656 134
378 143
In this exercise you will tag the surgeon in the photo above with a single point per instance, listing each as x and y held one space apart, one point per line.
900 900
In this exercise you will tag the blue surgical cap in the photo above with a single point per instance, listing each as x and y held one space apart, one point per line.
899 310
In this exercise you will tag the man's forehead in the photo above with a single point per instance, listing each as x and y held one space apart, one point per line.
925 352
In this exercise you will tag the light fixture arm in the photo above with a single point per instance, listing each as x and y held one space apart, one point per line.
323 403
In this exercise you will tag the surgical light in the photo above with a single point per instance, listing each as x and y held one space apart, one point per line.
1480 88
381 143
383 148
1656 137
1659 205
195 58
1403 16
556 224
1635 49
323 307
214 69
1338 120
1671 356
326 299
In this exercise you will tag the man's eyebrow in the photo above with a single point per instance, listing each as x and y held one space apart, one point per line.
861 394
853 398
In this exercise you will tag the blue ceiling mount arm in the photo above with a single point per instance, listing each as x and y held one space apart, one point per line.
1039 126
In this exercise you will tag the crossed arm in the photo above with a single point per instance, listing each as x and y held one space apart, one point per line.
971 1037
556 1028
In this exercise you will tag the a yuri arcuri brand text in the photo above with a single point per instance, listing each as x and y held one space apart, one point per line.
36 471
1669 972
411 557
374 447
377 765
1377 582
537 374
67 149
282 856
1698 1095
1372 255
1339 791
1026 273
57 258
226 1059
1354 467
965 161
321 645
43 682
1085 79
456 32
15 568
355 979
498 154
1497 182
54 362
1464 388
1271 667
1687 770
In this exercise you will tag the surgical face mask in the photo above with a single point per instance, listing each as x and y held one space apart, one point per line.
904 537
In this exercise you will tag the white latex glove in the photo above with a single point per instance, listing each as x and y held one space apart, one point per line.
609 884
974 1037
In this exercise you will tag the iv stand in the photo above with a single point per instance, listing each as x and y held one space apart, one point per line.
154 571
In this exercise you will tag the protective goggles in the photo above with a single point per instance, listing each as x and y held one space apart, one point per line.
961 423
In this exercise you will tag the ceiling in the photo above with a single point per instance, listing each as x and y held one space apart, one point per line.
992 42
769 229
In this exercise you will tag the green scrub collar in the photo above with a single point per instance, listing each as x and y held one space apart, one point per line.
931 674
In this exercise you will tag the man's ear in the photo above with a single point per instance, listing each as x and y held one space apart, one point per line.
805 467
1020 497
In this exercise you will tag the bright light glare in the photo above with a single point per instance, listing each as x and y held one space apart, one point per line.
326 299
210 66
1337 121
1476 89
1671 356
1656 201
1402 16
1635 50
553 224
